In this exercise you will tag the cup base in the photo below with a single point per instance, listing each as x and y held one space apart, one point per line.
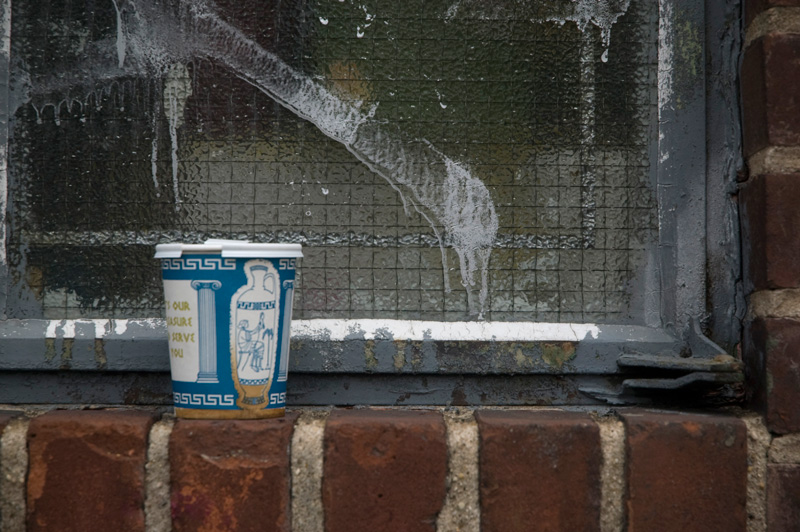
197 413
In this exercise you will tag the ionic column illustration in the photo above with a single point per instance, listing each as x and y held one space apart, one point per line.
207 329
288 287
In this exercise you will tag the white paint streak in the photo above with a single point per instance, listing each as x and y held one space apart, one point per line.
666 63
52 325
100 326
5 52
371 329
120 326
411 330
666 58
154 145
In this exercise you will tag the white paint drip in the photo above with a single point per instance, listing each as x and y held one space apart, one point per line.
603 14
154 145
456 204
120 35
588 119
666 61
177 89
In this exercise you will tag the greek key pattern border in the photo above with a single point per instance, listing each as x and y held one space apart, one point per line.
205 263
202 399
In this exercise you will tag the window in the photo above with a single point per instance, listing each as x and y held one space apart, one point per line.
495 200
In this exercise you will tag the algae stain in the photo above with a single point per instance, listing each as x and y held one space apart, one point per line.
66 353
556 355
100 353
370 361
49 349
688 63
400 356
417 357
689 47
773 342
522 360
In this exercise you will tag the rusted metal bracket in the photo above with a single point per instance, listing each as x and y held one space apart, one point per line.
701 368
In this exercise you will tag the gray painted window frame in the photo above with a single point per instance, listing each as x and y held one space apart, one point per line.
697 150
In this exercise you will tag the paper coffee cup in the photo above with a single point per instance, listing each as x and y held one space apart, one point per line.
229 312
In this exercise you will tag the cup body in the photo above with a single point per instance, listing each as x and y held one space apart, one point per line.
228 320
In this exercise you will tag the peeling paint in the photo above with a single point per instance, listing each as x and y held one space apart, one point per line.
337 330
101 327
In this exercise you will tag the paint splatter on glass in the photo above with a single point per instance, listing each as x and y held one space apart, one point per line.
438 159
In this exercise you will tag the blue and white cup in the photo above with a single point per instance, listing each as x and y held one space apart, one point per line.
229 313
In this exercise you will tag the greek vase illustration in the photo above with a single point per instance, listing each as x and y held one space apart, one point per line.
254 321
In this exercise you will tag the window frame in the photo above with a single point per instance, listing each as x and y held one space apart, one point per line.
695 155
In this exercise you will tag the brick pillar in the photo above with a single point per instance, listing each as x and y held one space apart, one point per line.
770 201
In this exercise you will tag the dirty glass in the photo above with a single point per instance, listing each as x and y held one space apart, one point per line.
440 160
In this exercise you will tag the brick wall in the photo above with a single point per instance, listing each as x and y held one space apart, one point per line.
397 469
770 211
769 198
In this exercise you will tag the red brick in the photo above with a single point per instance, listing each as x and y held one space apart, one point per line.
771 231
685 472
754 7
231 475
772 357
770 76
384 470
539 467
783 498
86 470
